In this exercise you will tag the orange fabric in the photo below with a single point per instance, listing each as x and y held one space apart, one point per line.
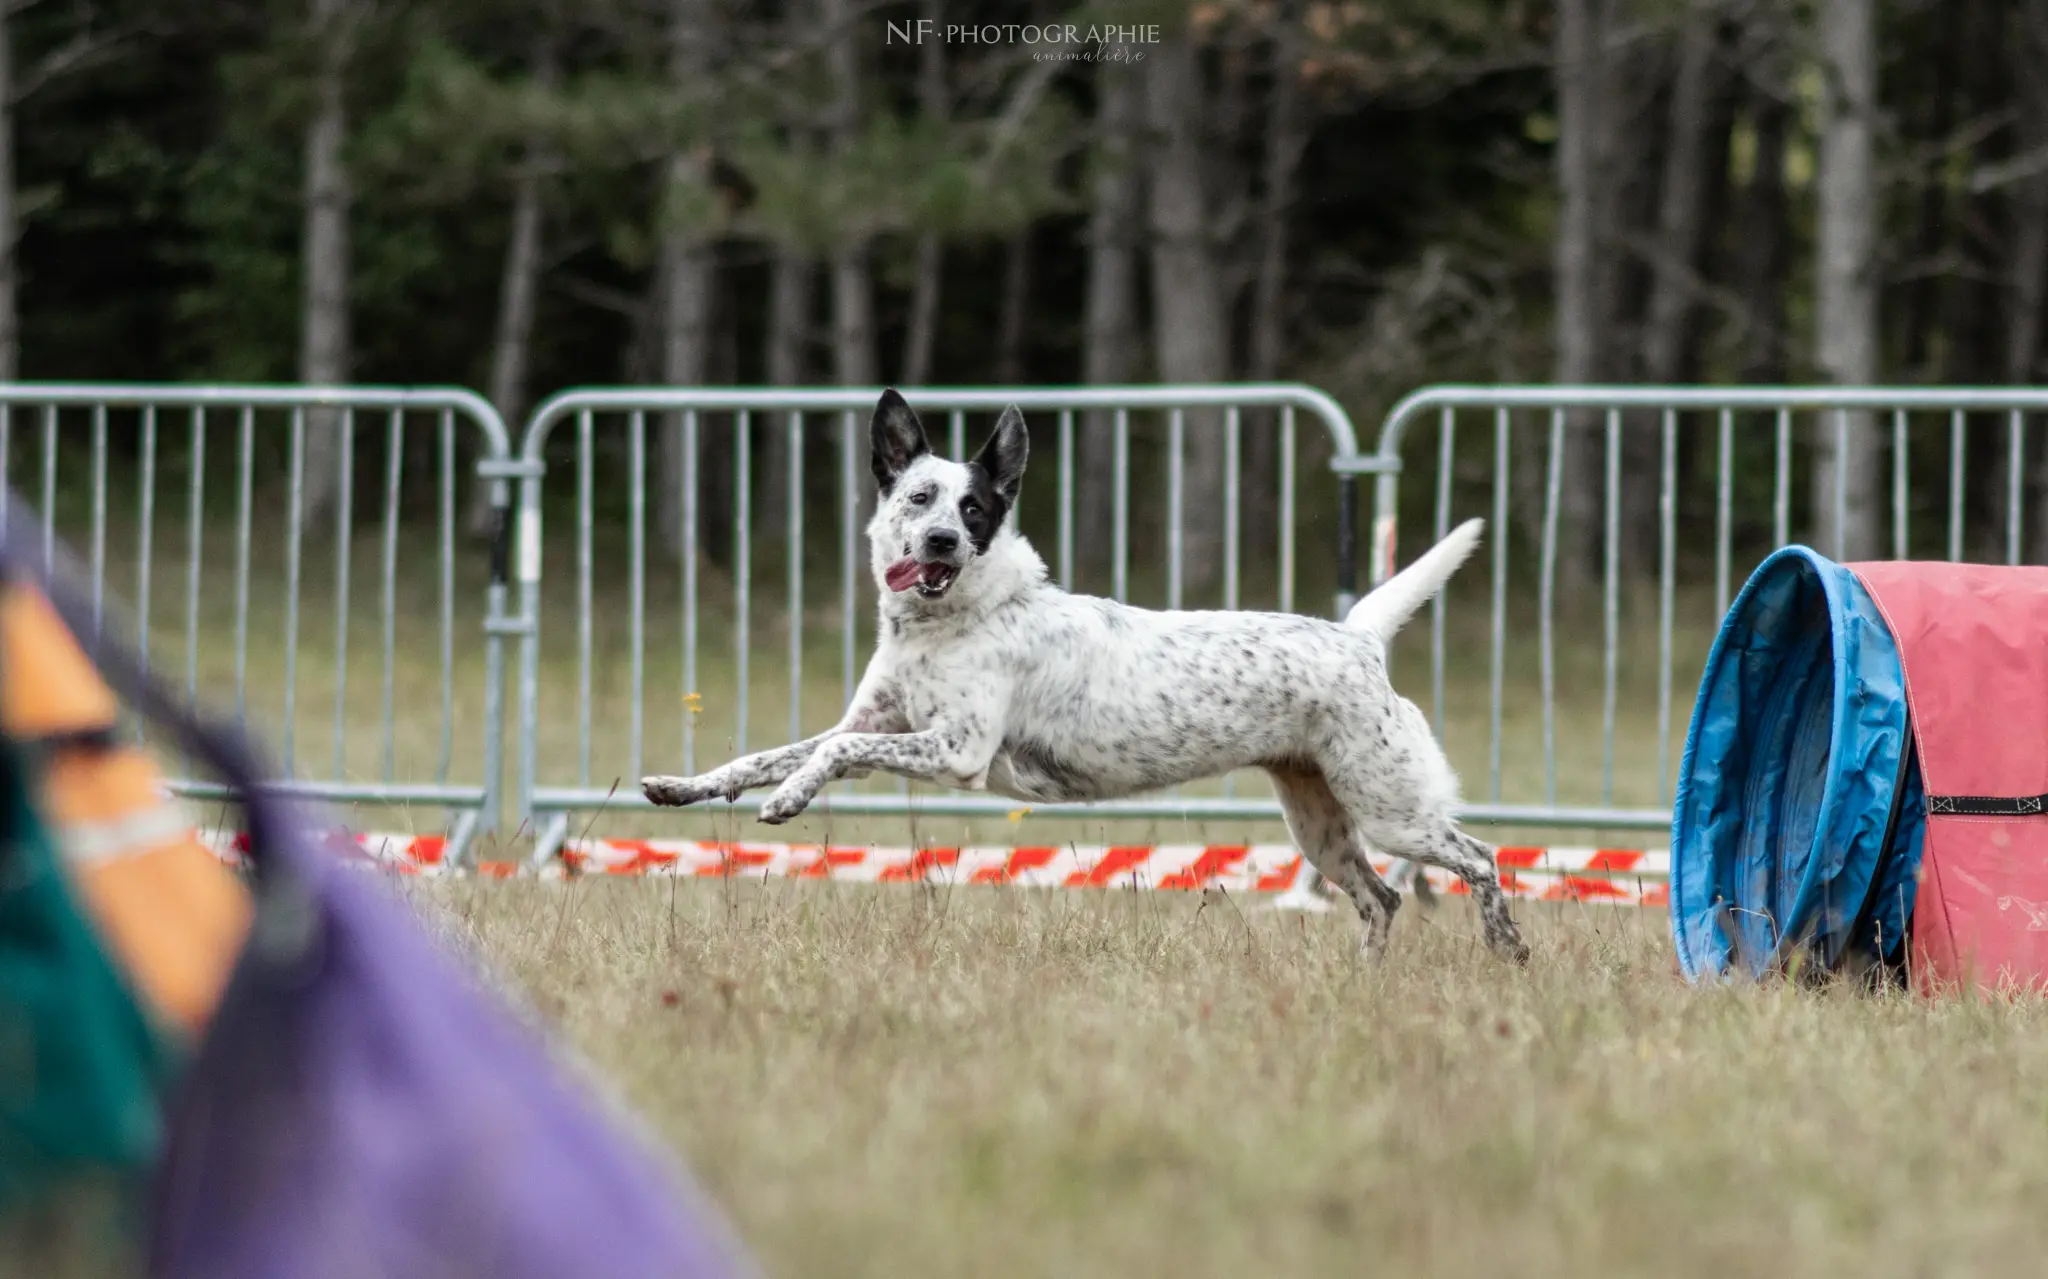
174 918
49 684
171 915
98 786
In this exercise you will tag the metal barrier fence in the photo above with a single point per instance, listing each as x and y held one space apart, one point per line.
1665 557
1732 435
612 695
248 623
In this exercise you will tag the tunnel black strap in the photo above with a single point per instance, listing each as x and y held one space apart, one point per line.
1987 805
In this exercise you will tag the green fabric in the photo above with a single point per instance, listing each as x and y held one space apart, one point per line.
79 1064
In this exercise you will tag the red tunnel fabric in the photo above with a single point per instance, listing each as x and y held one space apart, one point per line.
1974 643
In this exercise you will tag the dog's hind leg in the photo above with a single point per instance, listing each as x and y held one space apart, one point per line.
1323 832
1436 841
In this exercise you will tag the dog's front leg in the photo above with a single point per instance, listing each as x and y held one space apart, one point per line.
874 710
951 755
763 768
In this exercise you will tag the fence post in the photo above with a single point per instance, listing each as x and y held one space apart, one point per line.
1347 544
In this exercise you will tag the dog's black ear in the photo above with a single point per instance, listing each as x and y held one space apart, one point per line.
1004 455
898 439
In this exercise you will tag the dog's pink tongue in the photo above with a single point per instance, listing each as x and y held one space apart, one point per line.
903 574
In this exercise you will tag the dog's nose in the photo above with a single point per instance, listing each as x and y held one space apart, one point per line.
942 541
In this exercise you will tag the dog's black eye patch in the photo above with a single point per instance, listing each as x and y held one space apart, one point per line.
982 508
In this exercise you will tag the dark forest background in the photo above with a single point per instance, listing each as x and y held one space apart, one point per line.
524 195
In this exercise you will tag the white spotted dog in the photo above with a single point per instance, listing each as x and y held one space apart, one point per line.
987 676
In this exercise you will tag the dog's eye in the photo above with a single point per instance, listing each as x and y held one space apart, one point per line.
970 507
920 498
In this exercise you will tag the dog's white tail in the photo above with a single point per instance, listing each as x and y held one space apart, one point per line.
1390 605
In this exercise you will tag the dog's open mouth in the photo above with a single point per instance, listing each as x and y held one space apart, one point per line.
931 580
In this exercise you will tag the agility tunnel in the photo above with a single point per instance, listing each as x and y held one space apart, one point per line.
1865 775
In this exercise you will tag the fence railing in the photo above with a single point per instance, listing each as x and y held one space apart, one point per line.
712 592
1933 473
175 511
1192 436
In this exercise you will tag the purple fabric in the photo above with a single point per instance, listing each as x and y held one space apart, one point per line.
359 1109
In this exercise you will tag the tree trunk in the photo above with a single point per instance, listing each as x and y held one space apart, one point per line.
853 289
1674 270
1928 344
1681 199
1111 350
1847 475
1011 331
2030 245
10 231
853 301
518 287
324 323
1190 324
685 273
1764 259
789 328
1286 137
1584 282
927 267
853 317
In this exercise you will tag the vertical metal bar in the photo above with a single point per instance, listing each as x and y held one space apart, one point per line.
1500 591
245 445
1176 433
2015 477
1610 611
849 547
1958 427
99 517
796 576
1667 552
1841 532
294 536
1724 510
636 588
1120 532
1347 546
1900 541
1781 495
957 434
1546 587
1232 466
49 488
195 524
146 539
1232 478
446 432
1067 499
1286 601
585 492
344 531
743 565
692 697
1446 452
394 462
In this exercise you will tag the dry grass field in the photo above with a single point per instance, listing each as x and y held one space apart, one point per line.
1016 1082
993 1082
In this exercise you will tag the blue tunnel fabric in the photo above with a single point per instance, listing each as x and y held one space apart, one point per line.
1786 831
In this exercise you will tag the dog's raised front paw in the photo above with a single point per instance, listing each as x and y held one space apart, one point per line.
675 792
783 805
